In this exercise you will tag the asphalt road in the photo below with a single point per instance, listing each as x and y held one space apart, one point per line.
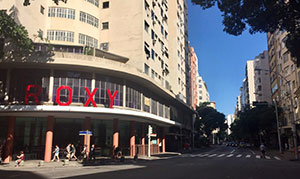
217 163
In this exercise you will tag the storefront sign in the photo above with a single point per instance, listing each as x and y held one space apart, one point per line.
91 99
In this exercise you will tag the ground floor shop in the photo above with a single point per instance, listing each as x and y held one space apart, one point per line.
37 136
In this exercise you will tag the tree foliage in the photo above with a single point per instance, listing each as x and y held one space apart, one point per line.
255 124
260 16
209 119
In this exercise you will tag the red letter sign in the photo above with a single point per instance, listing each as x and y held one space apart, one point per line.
90 96
111 97
35 95
58 95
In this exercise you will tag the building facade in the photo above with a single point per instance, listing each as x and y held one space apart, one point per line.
193 78
107 71
284 84
202 93
256 85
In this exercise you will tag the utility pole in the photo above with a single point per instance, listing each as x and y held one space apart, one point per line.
149 139
278 129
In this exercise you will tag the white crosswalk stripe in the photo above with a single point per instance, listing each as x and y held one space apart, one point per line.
257 156
248 156
203 155
212 155
277 158
230 155
221 155
239 155
267 157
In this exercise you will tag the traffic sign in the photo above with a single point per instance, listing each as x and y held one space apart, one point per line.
85 133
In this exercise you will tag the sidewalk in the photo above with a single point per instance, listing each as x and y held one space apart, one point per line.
98 162
286 155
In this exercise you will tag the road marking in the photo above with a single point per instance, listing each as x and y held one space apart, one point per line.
248 156
257 156
212 155
232 151
267 157
230 155
277 158
221 155
239 155
252 151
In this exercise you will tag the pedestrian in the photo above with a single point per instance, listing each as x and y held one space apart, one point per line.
68 150
2 144
73 152
20 158
84 152
262 149
56 153
92 153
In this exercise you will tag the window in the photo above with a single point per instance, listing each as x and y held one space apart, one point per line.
259 87
105 5
152 54
105 25
42 10
61 12
146 70
152 74
87 18
147 51
162 30
285 57
133 98
87 40
60 35
147 27
94 2
104 46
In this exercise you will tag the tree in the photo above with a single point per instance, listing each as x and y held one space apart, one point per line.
261 16
208 120
255 125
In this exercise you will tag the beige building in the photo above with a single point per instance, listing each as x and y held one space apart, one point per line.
256 86
202 92
116 70
284 83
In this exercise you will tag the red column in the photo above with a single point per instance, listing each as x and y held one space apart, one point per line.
163 142
9 139
157 141
132 139
143 139
87 126
115 134
49 139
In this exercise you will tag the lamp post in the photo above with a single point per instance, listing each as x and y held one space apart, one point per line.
278 129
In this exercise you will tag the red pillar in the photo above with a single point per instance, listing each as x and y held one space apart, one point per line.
132 139
115 134
9 139
49 139
163 142
143 139
87 138
157 141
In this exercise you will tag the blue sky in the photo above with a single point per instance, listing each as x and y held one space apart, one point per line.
222 57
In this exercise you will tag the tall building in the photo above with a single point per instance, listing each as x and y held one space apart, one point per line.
193 78
284 84
230 119
256 86
202 93
117 69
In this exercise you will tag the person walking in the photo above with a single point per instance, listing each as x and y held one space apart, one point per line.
56 153
20 158
84 152
263 150
68 150
92 153
73 152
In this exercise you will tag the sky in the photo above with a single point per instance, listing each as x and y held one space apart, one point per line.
221 57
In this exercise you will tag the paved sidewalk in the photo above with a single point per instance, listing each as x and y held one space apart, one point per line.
98 162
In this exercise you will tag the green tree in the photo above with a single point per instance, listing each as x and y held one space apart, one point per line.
260 16
255 125
209 119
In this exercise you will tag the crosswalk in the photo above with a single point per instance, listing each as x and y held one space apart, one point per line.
229 155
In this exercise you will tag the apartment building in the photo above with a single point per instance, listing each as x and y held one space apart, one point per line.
202 93
284 84
256 85
110 73
193 63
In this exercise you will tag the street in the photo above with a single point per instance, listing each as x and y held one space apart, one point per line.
215 163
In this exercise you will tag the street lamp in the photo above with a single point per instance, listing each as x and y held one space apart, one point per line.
278 129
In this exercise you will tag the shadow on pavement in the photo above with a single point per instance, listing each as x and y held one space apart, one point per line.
19 174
